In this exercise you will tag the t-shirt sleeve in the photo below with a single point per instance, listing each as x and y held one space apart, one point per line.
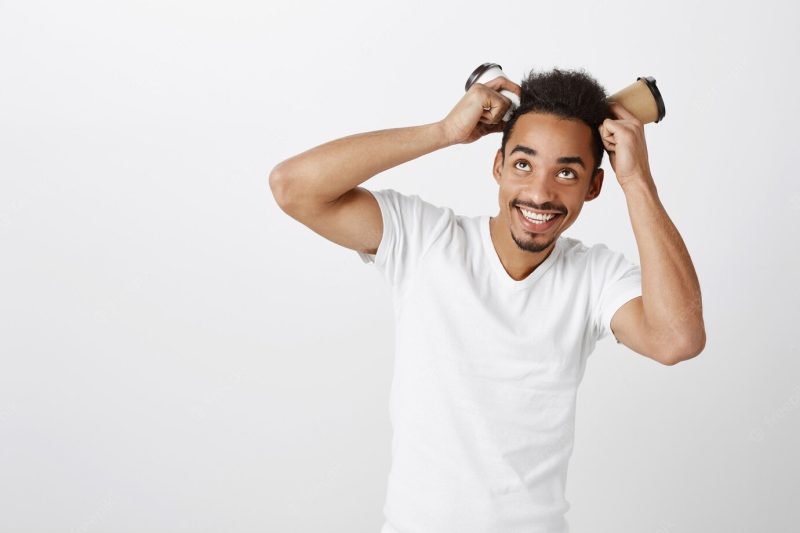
617 281
410 226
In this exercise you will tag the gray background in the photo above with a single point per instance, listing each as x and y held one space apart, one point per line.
179 355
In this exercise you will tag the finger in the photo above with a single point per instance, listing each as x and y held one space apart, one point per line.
494 99
608 127
491 128
496 107
501 82
607 137
503 106
489 116
494 127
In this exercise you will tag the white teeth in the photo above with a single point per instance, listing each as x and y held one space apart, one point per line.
535 217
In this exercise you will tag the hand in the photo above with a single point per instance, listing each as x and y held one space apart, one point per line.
480 111
624 141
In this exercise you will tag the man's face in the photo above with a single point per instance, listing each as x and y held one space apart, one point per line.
552 180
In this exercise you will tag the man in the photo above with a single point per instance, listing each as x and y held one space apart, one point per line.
495 316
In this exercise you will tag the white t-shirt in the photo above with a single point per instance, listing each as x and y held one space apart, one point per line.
486 369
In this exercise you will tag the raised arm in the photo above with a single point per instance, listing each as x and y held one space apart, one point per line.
320 187
666 321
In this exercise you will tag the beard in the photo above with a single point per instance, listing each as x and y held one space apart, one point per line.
531 244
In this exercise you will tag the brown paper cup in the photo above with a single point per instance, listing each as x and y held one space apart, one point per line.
642 98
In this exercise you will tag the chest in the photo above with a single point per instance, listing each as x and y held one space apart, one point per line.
456 314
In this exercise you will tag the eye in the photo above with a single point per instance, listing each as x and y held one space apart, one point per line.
570 171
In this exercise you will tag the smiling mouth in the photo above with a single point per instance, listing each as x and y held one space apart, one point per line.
537 221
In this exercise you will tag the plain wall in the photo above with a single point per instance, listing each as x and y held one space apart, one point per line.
180 355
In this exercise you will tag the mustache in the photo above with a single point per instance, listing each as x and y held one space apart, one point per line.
543 207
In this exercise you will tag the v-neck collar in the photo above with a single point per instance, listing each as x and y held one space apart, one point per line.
497 266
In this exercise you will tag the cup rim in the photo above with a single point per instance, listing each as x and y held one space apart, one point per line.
651 84
478 72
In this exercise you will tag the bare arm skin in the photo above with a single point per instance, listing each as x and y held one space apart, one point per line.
666 321
324 173
320 187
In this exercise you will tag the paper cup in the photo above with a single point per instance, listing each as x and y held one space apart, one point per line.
487 72
642 98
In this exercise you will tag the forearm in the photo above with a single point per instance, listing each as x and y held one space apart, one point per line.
670 289
324 173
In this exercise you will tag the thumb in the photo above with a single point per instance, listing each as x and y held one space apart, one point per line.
501 82
609 125
607 129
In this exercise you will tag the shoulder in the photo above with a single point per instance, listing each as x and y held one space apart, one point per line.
415 222
595 259
594 253
574 250
409 203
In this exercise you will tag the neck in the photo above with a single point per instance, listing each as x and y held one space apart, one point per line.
517 262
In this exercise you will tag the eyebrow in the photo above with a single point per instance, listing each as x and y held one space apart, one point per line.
563 160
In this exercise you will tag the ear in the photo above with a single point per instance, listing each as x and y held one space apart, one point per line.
497 167
595 185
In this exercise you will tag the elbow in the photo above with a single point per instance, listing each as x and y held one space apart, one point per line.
684 351
278 185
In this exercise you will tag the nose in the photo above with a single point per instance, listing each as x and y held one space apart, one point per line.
541 193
